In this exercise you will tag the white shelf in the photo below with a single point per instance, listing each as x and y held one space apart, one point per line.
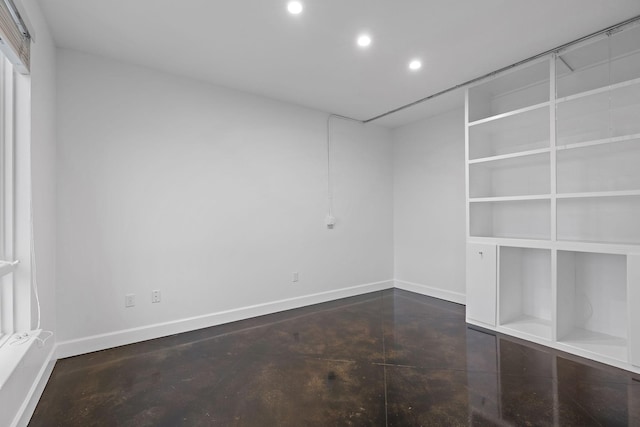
607 88
511 241
603 141
598 344
510 114
529 325
509 198
596 194
510 156
596 247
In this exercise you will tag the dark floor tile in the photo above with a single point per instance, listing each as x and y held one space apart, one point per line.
335 364
609 396
518 359
422 397
243 391
531 401
436 343
418 397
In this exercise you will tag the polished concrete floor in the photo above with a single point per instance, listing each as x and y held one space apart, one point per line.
390 358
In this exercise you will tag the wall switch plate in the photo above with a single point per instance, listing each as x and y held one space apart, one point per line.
294 276
130 300
155 296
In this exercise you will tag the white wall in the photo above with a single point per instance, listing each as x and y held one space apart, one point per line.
210 195
22 390
429 206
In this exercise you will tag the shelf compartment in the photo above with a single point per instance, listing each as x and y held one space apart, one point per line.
515 133
592 303
510 91
607 61
604 167
526 175
599 219
608 114
524 283
517 219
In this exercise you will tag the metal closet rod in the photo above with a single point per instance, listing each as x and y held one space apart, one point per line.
607 30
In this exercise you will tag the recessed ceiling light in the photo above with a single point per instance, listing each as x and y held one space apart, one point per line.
415 64
294 7
364 40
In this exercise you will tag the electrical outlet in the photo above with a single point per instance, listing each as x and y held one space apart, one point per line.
155 296
294 276
129 300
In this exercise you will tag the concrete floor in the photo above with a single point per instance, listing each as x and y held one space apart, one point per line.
390 358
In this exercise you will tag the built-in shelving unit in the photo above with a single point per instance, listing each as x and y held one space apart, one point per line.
553 184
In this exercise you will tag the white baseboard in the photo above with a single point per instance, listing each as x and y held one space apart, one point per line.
32 398
128 336
456 297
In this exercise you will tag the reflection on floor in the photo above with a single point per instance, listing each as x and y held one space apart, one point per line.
390 358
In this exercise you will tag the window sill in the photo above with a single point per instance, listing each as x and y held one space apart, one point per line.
12 352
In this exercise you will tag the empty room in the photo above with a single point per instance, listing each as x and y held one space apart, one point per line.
319 213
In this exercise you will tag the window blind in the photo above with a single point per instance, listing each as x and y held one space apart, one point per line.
15 41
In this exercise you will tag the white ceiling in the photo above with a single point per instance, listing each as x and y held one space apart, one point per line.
312 59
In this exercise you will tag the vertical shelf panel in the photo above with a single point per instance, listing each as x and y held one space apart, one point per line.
633 290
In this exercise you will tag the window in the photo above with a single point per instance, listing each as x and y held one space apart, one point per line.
6 197
15 185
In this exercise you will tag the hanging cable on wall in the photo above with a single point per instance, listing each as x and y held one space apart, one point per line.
330 219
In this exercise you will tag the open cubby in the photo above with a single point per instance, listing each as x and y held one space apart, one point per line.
606 114
514 133
517 89
526 175
592 295
524 284
521 219
603 167
599 219
610 60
